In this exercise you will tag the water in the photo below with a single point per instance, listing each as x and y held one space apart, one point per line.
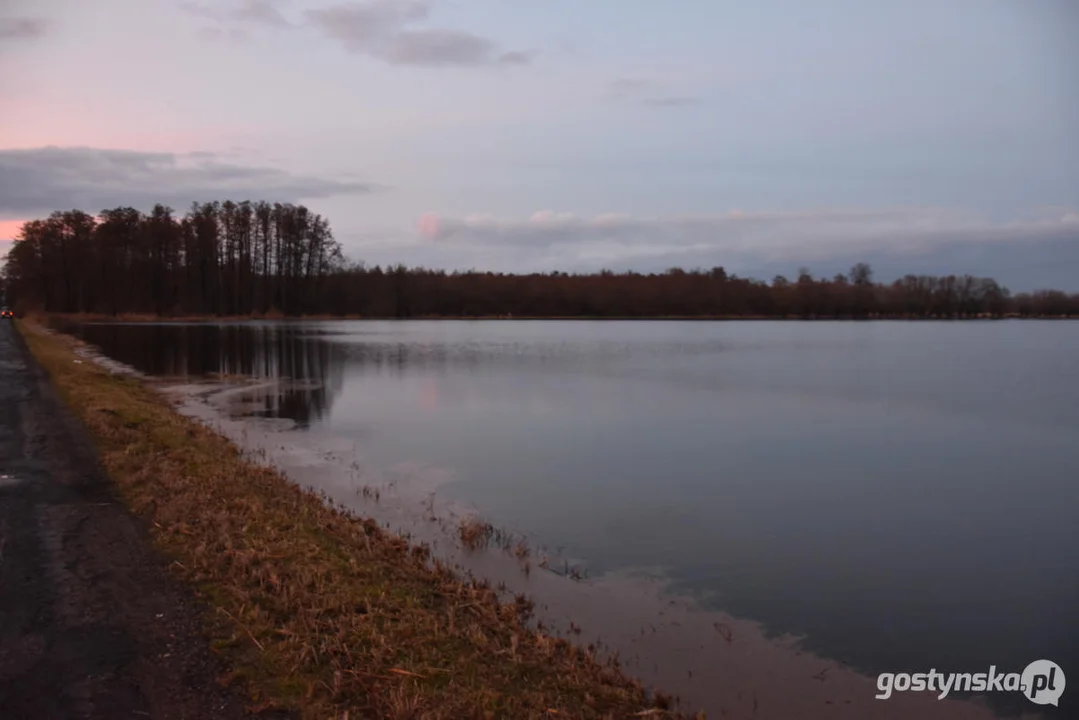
902 495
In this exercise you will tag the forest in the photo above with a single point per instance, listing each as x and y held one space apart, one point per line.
272 259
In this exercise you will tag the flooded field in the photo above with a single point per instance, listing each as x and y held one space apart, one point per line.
758 516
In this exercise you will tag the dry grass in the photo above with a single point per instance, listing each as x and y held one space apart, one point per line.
475 533
314 609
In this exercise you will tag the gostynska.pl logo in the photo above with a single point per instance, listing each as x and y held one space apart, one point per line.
1041 682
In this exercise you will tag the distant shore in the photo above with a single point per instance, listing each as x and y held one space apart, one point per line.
144 318
244 260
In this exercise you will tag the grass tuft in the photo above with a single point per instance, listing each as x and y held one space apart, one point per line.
475 533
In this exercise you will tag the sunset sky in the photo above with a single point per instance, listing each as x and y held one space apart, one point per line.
518 135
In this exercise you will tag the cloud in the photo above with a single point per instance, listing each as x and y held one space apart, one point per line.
389 30
40 180
629 88
516 57
260 11
438 47
646 91
361 26
248 12
671 101
385 29
9 229
22 28
427 226
738 238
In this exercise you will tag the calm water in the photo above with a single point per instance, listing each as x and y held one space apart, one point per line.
904 495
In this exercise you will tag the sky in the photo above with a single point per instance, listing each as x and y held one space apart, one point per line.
920 135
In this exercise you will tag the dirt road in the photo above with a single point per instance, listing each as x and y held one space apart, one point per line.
91 623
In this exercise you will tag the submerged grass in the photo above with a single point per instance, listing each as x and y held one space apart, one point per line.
314 609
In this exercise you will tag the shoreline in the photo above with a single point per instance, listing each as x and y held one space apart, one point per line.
727 666
315 609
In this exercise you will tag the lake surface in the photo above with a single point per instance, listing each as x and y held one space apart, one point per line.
905 496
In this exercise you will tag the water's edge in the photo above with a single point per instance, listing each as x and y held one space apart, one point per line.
726 666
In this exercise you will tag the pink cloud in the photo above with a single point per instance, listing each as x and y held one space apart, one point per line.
428 226
9 229
550 216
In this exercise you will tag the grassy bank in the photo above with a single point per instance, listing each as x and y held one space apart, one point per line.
312 609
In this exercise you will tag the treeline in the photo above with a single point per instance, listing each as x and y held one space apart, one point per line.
402 292
258 259
219 259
